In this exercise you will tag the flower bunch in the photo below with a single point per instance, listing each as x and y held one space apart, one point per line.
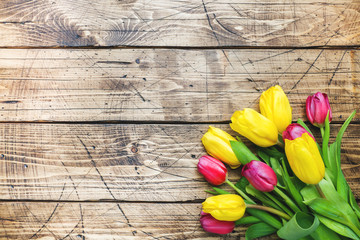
292 185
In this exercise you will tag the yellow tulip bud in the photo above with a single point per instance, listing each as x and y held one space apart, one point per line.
305 159
255 127
227 207
217 144
275 105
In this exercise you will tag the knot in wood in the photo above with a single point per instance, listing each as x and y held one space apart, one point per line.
134 149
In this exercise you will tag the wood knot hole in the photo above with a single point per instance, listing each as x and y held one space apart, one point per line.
134 149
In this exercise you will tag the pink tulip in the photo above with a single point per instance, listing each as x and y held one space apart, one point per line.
213 170
294 131
317 107
261 176
210 224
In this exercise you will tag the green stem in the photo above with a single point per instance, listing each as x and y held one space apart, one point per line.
320 191
282 206
325 132
291 204
322 132
270 210
239 191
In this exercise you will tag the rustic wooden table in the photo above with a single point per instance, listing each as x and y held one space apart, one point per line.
103 104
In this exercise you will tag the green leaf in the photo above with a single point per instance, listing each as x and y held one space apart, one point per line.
242 183
213 193
264 156
220 191
247 220
326 208
265 217
322 232
354 204
280 204
275 165
273 152
300 225
261 196
344 126
259 230
332 195
309 193
292 189
342 186
337 227
333 211
242 152
333 169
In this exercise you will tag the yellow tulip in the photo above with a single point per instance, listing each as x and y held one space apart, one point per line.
227 207
305 159
217 144
255 127
275 105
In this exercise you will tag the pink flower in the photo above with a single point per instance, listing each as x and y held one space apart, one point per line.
210 224
294 131
317 107
212 169
261 176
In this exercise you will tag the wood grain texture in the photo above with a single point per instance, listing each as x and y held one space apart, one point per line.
95 221
167 84
148 163
204 23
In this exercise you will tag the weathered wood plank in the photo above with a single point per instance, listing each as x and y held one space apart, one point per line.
75 162
104 221
35 23
168 84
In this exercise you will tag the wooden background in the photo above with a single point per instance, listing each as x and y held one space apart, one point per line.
103 104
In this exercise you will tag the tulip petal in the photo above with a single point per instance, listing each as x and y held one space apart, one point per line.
275 106
217 144
255 127
228 207
305 159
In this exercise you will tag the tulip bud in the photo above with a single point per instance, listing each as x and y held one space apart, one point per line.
304 158
227 207
210 224
294 131
261 176
317 107
275 105
217 144
255 127
212 169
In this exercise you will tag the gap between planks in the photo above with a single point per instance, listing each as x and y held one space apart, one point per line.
327 47
124 122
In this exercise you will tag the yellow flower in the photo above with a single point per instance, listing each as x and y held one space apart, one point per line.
255 127
305 159
217 144
275 105
227 207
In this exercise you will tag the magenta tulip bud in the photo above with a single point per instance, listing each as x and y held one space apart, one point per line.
294 131
210 224
317 107
212 169
261 176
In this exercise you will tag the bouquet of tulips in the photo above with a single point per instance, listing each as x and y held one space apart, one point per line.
292 186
